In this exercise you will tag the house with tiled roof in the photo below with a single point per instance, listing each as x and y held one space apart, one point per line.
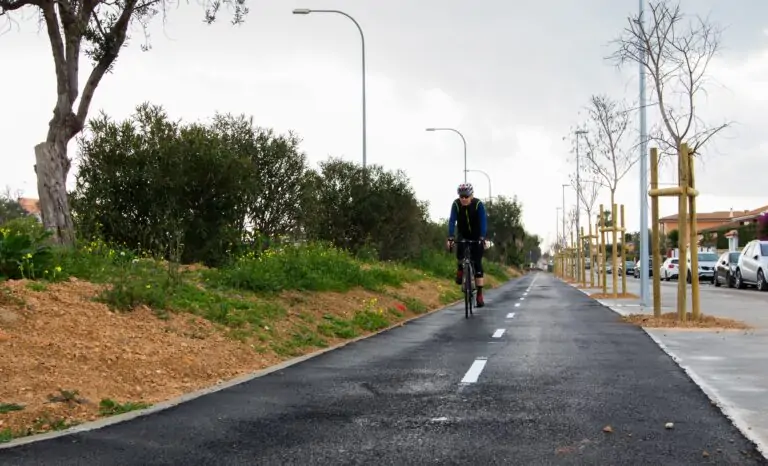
704 220
31 207
739 219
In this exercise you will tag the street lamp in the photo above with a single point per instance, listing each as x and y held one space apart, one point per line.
465 145
490 192
579 132
306 11
644 252
564 212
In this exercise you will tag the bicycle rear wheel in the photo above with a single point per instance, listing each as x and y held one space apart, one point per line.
471 288
467 288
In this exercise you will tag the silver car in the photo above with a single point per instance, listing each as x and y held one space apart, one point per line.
707 264
753 265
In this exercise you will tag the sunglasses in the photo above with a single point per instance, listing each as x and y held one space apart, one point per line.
463 197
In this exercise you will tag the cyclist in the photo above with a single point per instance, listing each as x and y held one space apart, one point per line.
468 213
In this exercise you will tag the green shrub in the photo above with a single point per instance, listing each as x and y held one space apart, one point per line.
23 250
310 267
437 264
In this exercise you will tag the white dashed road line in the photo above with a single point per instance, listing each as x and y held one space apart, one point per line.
474 371
511 315
517 304
498 333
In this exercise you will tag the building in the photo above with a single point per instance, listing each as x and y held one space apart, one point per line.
31 207
705 220
731 228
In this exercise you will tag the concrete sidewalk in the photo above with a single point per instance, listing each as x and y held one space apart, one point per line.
730 366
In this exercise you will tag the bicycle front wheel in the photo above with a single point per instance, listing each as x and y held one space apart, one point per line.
467 290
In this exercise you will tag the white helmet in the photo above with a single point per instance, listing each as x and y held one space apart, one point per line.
465 189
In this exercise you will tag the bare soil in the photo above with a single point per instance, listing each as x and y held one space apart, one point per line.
610 296
63 352
670 320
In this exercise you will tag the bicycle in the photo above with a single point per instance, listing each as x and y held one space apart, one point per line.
468 286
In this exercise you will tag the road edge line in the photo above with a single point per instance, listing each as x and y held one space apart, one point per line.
164 405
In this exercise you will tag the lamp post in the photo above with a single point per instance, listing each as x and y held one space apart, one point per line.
578 195
465 145
644 253
564 213
490 192
306 11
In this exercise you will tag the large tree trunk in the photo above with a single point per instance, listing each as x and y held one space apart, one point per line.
52 167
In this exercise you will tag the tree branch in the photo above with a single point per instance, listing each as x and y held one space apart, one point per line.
115 39
676 57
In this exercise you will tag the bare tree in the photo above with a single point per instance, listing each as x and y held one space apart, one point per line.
609 156
588 191
570 224
98 29
676 56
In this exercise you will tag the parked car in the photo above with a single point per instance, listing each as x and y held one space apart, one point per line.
707 263
650 268
669 269
752 266
629 267
725 270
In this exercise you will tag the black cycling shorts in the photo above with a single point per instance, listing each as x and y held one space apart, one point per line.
477 256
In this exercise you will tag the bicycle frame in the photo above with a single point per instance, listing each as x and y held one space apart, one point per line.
468 286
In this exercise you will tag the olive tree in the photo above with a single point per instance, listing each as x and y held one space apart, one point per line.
97 29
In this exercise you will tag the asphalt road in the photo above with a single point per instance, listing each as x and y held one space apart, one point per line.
563 369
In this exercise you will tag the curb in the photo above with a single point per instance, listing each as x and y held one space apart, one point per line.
730 412
163 405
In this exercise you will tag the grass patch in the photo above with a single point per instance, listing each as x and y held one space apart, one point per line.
370 320
37 286
415 305
435 264
303 337
47 423
450 295
6 408
333 326
495 270
6 435
108 407
312 267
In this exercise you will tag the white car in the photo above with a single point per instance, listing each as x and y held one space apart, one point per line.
752 267
707 264
669 269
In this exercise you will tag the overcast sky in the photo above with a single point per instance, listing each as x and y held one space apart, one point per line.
511 76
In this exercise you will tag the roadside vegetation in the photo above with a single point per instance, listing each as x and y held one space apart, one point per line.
204 252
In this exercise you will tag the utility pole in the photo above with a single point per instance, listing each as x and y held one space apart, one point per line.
644 252
578 204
